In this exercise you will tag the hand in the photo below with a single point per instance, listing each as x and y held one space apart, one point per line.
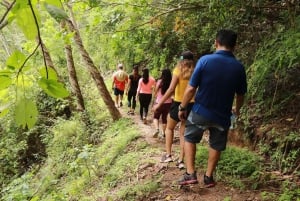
182 115
155 107
235 112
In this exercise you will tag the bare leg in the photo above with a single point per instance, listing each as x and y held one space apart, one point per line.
213 158
117 100
121 98
170 134
181 141
190 152
156 124
164 126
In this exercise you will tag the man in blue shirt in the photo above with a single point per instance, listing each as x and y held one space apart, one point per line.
217 79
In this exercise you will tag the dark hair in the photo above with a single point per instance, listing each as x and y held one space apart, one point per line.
135 67
226 38
145 75
166 77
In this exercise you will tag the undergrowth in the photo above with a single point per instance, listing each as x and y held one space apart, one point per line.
77 170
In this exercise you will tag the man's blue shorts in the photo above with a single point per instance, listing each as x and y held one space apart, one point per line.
196 125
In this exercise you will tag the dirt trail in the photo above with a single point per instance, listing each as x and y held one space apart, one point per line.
169 190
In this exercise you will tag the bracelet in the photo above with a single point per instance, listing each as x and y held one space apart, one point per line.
180 108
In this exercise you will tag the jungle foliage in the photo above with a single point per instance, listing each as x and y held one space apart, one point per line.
36 97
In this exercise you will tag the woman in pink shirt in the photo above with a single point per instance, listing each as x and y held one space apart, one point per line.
162 86
144 93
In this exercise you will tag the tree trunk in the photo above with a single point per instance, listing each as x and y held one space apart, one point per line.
94 72
73 75
48 59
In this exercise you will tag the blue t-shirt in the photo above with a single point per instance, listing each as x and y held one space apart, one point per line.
218 77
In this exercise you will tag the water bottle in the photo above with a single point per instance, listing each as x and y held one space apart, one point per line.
233 121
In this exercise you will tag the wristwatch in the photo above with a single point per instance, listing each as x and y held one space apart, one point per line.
180 108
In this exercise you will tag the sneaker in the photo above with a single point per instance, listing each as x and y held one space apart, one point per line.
145 120
180 164
155 135
163 135
166 158
188 179
209 181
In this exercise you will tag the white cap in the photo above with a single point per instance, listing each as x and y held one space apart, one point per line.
120 65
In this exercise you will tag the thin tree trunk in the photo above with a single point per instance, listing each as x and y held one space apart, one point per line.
73 75
48 59
94 72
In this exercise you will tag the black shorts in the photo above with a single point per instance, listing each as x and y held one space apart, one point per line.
163 111
174 110
118 92
196 124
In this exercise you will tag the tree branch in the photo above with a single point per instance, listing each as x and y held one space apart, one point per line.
39 36
157 16
8 6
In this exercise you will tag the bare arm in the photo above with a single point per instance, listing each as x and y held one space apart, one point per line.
128 85
239 101
169 92
187 97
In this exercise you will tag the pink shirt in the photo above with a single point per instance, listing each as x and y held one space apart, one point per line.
159 95
146 88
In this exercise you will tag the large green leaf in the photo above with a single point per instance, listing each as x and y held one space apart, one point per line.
51 73
57 13
26 113
16 60
53 88
25 19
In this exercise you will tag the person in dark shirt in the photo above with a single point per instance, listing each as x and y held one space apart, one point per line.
132 88
217 80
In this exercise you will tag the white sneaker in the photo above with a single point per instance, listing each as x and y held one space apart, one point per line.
166 159
180 164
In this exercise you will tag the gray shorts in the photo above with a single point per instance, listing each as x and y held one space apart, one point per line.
196 125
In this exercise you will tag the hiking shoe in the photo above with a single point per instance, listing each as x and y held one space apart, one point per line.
188 179
209 181
180 164
155 135
145 120
166 158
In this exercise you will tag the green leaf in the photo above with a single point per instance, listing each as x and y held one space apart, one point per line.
56 3
5 81
16 60
26 113
57 13
4 110
53 88
51 73
25 19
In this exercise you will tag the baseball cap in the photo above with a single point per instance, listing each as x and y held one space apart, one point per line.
187 55
120 65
